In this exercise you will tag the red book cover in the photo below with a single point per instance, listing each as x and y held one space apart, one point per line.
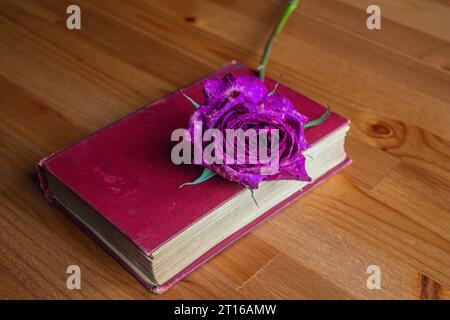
124 171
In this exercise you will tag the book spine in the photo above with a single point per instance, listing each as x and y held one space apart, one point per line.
43 183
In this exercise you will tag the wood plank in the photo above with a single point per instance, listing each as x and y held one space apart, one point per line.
390 208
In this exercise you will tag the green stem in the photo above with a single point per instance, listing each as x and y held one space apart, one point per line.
280 24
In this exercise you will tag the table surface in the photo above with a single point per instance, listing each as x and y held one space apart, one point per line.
390 208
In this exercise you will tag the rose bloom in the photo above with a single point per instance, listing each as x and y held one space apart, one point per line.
243 102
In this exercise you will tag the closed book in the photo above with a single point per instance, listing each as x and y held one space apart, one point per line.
121 186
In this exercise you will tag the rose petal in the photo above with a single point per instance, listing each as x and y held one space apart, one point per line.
242 102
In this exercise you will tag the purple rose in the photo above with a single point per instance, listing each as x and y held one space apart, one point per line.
243 102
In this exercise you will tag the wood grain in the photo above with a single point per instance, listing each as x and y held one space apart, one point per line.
390 208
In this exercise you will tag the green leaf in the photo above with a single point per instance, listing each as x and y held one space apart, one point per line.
206 175
274 89
316 122
253 196
191 100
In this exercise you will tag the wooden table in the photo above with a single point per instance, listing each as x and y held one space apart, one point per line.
390 208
